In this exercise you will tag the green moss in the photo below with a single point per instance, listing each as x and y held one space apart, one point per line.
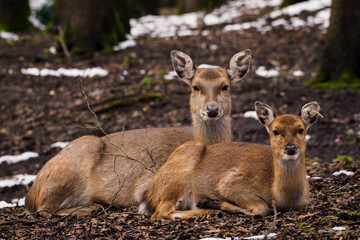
150 97
305 228
126 58
78 51
352 216
117 103
146 82
116 35
346 81
16 20
344 158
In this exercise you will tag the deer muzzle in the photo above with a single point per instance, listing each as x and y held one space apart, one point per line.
290 149
212 111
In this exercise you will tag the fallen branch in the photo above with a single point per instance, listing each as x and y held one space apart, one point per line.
62 42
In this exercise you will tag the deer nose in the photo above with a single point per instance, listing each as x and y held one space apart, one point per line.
290 149
212 111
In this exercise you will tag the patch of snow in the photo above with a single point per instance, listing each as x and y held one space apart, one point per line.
4 204
186 24
260 25
338 228
251 114
74 72
9 36
298 73
297 8
36 22
171 75
213 46
10 159
205 32
52 50
182 25
204 65
235 9
270 235
59 145
347 173
125 44
211 238
164 26
15 202
19 179
36 5
315 178
261 71
322 18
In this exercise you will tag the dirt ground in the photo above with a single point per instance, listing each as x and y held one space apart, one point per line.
38 111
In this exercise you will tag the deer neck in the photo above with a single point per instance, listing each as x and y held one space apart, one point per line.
290 187
212 132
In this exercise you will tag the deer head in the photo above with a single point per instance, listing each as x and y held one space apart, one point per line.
288 132
210 98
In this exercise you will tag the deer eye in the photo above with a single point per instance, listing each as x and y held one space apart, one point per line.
195 88
300 131
224 88
276 132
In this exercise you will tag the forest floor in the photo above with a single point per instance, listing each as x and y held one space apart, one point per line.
36 112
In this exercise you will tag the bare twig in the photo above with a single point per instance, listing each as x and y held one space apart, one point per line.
149 153
107 136
121 186
62 42
152 159
273 225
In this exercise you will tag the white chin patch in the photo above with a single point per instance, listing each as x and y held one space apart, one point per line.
204 116
289 162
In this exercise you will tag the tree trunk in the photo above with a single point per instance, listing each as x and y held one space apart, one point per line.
14 15
341 56
91 25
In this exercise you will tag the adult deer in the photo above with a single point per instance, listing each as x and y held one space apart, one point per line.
103 170
237 177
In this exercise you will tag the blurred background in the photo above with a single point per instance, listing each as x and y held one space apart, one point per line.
302 51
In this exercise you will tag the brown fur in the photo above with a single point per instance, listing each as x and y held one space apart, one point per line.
92 170
236 177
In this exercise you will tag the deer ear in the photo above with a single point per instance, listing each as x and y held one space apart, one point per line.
239 66
183 66
309 113
264 113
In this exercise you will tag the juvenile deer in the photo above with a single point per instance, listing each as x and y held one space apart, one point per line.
237 177
93 170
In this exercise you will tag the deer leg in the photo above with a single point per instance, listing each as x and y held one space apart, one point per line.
165 210
222 205
189 214
241 194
